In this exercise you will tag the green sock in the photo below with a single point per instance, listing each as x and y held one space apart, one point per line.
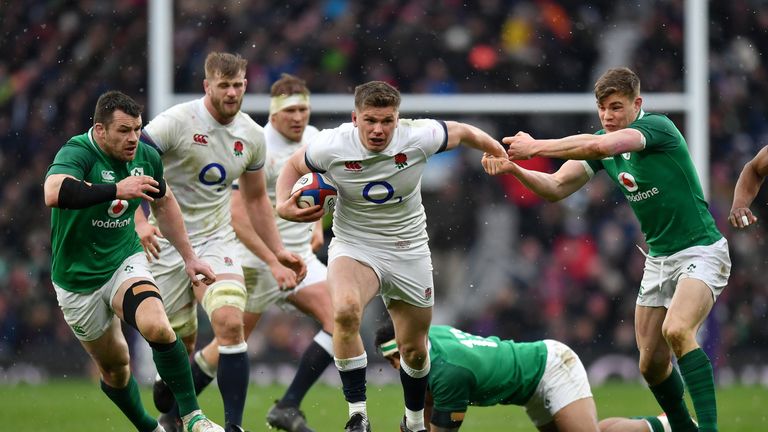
128 400
669 395
697 373
173 367
655 423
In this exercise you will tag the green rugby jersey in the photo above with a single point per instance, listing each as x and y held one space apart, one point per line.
472 370
89 244
662 187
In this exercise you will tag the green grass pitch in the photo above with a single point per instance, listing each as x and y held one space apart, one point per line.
79 405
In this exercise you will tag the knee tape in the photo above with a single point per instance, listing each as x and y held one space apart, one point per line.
224 293
134 295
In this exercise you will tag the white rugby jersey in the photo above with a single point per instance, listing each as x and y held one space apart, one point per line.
202 158
379 193
296 235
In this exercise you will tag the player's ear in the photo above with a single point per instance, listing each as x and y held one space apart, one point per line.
207 87
354 118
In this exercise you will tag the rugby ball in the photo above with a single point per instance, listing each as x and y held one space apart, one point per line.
315 189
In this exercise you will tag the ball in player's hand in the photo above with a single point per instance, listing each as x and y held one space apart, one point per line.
315 189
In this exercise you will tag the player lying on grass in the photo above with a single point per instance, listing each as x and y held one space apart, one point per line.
546 377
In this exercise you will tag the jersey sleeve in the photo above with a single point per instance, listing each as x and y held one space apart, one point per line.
72 160
659 132
451 388
163 132
430 135
259 156
320 151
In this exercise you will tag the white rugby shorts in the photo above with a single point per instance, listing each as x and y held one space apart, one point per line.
710 264
263 290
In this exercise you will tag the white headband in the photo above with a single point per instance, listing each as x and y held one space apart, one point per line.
281 102
388 348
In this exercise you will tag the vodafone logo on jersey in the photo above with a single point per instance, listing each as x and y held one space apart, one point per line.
117 208
628 181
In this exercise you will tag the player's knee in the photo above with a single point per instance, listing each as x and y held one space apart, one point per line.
117 371
149 326
347 318
414 355
228 326
675 333
654 366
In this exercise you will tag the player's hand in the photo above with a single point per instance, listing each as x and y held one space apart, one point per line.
137 187
520 146
290 210
285 277
199 272
741 217
148 235
494 165
293 262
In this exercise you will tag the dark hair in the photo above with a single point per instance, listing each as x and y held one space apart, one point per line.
617 80
289 85
112 101
377 94
385 333
224 64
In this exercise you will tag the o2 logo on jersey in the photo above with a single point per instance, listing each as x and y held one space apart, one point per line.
213 174
628 181
117 208
379 192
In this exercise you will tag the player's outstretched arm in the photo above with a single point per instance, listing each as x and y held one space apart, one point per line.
552 187
747 187
581 146
463 133
253 189
286 205
284 276
171 224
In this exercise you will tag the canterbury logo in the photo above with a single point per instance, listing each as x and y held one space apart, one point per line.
353 166
200 139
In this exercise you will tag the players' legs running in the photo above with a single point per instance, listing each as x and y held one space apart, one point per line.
224 302
110 353
690 305
411 328
352 286
656 367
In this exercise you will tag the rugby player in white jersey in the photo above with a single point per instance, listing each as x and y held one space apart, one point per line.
206 145
380 238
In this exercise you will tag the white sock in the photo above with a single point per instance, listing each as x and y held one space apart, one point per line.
414 420
358 407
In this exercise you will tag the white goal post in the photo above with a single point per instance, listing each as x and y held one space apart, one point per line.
693 102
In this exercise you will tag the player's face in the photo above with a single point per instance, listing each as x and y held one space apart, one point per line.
618 111
291 121
394 360
224 96
120 138
376 126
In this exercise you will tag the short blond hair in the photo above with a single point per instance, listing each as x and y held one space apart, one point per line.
225 65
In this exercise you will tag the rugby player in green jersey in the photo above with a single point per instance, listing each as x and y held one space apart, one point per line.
546 377
687 265
99 272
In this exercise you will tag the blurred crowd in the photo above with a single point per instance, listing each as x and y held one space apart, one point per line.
506 263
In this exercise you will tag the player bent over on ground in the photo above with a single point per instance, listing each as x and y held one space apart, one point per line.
546 377
96 182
